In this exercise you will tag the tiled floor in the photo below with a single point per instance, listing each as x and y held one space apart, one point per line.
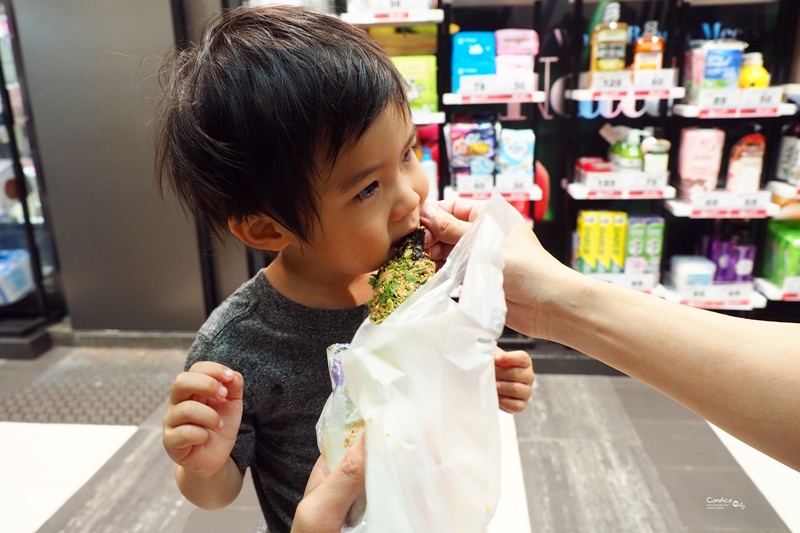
80 451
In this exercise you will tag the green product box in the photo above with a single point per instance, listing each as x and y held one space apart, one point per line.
654 244
782 253
635 261
420 75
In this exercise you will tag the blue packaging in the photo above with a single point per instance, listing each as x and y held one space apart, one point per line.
473 46
470 69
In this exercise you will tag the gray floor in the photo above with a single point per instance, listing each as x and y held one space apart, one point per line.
599 453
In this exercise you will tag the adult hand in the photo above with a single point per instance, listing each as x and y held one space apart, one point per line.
328 497
532 277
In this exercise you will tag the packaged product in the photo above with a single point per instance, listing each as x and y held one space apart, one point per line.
782 251
515 152
587 242
420 75
699 160
519 42
745 163
712 65
472 147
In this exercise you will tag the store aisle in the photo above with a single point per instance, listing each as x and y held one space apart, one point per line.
80 436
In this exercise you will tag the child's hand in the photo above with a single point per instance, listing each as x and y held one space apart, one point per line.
203 417
513 373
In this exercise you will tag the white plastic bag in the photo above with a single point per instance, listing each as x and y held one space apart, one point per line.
424 382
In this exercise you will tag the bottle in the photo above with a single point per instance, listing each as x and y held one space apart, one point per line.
789 155
609 41
746 161
753 73
649 50
431 170
629 156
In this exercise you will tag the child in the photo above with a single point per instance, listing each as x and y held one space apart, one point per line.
292 129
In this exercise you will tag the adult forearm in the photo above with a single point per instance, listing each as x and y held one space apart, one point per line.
742 375
211 492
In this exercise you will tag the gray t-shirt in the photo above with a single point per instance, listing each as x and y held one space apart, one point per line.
279 346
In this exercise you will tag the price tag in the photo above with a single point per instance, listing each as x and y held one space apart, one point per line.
654 79
611 81
384 6
514 182
718 295
768 97
730 204
718 98
488 84
470 183
791 285
624 181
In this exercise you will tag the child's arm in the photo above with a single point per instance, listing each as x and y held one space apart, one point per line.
513 373
200 427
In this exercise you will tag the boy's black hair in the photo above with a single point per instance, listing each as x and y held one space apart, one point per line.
259 111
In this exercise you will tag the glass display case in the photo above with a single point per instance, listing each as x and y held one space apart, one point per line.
30 297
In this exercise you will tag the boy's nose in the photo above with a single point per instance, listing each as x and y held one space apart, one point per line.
412 191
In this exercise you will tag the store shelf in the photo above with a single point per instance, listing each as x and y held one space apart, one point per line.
774 293
640 282
784 189
477 99
727 296
725 204
421 118
696 111
792 91
488 3
531 194
579 191
726 2
594 95
391 18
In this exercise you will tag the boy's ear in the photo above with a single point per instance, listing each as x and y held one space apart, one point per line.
261 232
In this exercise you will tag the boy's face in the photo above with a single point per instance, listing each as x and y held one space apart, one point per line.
371 199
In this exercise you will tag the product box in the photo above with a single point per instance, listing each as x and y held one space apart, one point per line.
477 68
420 75
472 148
712 65
619 232
16 276
782 251
512 41
699 160
473 47
635 260
691 270
654 244
509 63
605 239
515 152
588 233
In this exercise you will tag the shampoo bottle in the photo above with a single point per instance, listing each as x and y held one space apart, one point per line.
609 41
649 50
431 170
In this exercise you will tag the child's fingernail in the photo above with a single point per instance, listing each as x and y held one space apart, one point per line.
219 426
222 392
228 373
427 210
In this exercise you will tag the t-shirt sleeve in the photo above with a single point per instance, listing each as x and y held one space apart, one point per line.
243 453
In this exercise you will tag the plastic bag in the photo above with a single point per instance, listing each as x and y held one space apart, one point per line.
424 382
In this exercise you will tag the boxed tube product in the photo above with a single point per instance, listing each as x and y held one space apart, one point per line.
420 75
588 230
619 232
636 260
654 244
699 160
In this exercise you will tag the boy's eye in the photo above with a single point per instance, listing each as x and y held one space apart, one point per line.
409 154
368 191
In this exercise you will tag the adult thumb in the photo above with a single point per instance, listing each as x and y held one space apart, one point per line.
444 227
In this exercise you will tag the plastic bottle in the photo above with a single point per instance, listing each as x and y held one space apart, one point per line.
609 41
649 50
746 160
629 156
753 73
431 170
789 155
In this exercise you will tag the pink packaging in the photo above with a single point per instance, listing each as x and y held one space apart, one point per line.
516 42
700 159
511 63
